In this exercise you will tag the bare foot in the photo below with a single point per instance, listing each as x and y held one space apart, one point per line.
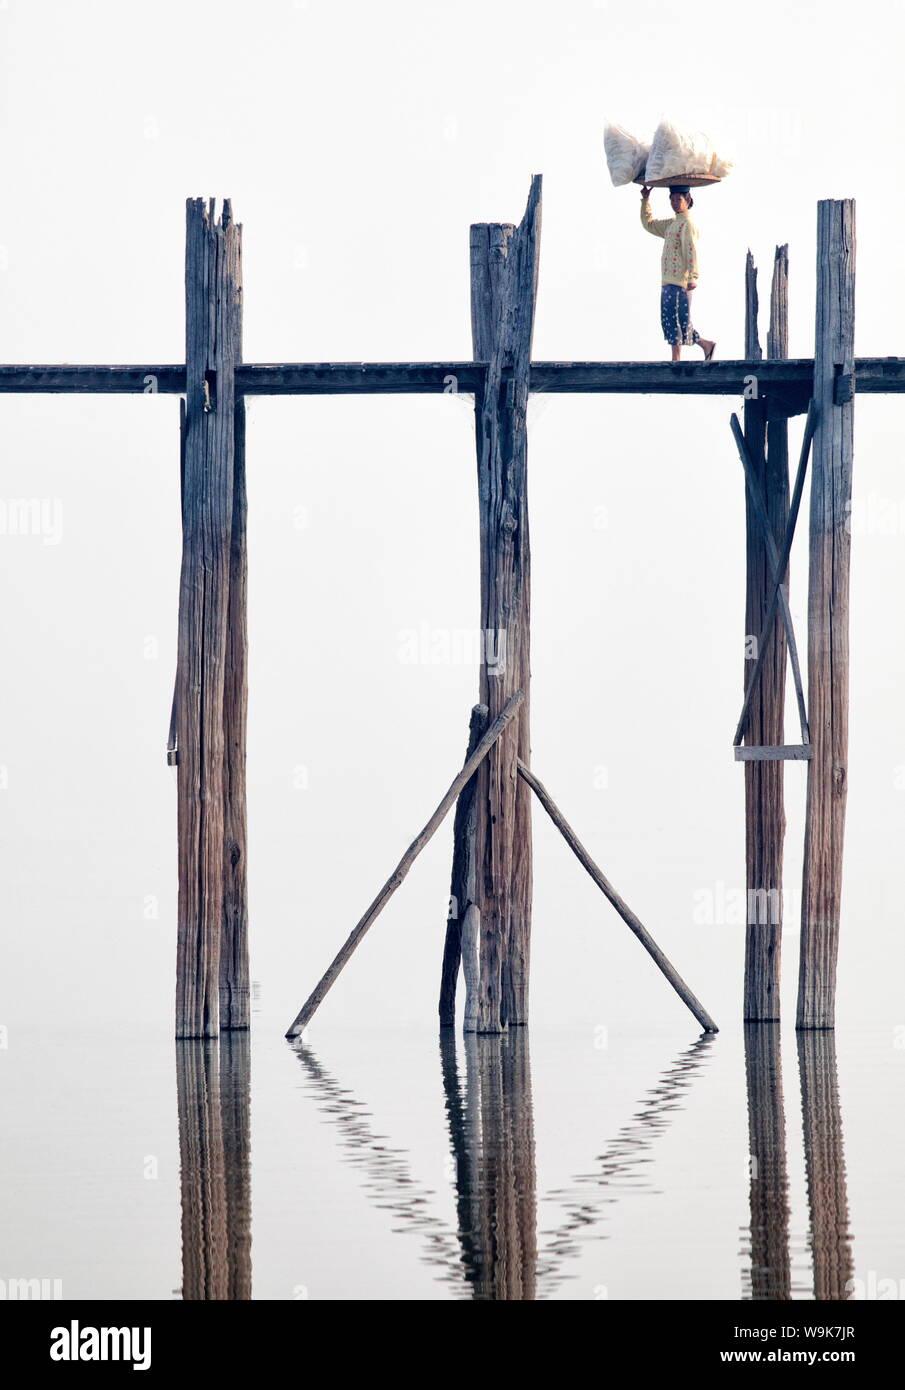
709 348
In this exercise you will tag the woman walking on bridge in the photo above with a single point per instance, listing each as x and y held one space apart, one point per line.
679 270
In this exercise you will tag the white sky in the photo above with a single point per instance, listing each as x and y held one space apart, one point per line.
357 143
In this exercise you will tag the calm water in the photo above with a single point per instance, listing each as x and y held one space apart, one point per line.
396 1164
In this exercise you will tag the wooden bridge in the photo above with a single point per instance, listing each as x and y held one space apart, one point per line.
492 868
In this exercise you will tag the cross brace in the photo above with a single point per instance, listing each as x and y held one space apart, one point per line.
778 597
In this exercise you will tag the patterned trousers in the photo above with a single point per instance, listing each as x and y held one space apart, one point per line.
675 316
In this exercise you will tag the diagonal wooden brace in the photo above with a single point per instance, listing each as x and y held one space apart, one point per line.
461 780
766 631
609 892
760 509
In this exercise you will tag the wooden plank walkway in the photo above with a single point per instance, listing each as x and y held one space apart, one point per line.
873 376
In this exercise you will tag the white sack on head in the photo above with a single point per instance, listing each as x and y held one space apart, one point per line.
625 156
674 152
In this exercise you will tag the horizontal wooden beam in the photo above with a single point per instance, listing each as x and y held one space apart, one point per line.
788 382
873 375
360 378
67 379
781 752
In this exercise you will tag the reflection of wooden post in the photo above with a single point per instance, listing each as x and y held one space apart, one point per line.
824 1158
235 1102
500 1120
764 809
828 592
202 1171
504 262
492 1139
520 1137
464 1150
213 1089
209 636
769 1195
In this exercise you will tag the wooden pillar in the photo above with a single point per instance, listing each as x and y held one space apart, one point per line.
504 263
765 822
828 594
235 992
213 291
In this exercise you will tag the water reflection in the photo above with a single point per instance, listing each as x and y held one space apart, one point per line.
492 1250
212 1081
621 1163
386 1172
769 1276
491 1132
492 1254
830 1239
824 1157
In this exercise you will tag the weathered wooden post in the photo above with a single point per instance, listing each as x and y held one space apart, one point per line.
210 708
766 434
504 265
828 595
235 994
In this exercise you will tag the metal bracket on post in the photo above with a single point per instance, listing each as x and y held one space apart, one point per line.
843 386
